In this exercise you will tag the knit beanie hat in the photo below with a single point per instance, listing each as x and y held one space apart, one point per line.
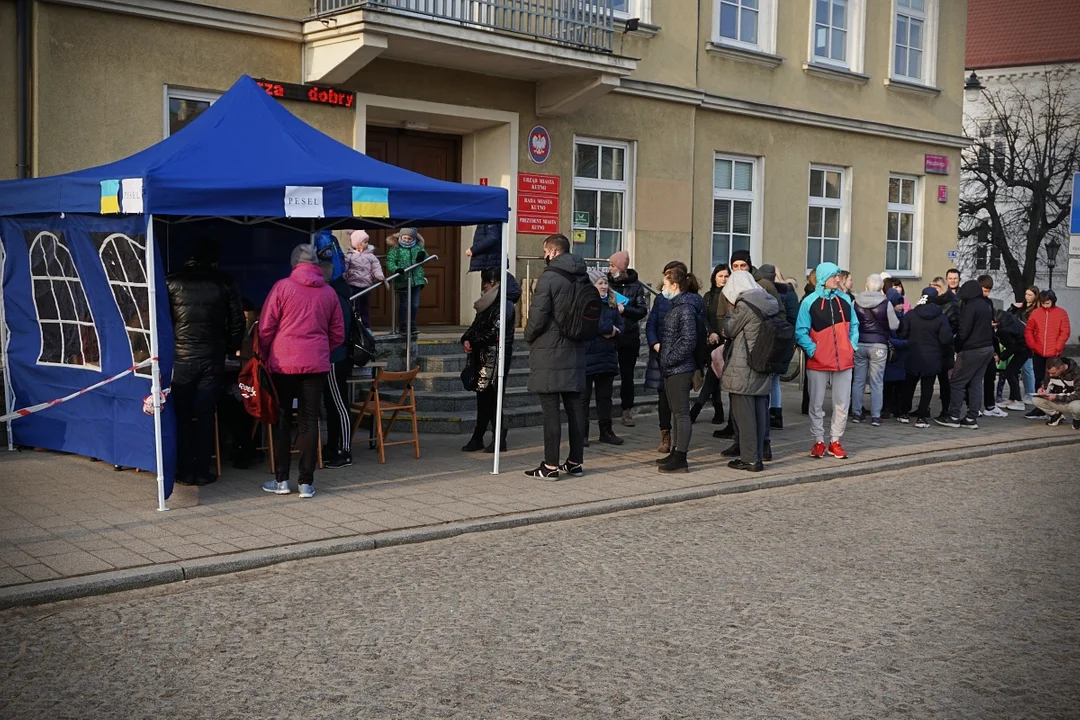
407 237
356 237
620 261
743 255
305 253
595 275
930 291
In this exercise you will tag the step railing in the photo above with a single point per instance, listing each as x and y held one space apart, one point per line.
587 24
407 271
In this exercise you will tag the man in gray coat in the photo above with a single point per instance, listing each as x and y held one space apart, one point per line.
557 363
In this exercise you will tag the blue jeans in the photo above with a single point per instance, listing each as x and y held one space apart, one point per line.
1028 371
870 361
774 393
404 306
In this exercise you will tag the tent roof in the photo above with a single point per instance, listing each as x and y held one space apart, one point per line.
236 160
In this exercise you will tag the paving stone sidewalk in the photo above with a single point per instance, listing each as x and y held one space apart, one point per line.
64 516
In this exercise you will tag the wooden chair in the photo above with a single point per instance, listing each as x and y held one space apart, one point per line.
374 406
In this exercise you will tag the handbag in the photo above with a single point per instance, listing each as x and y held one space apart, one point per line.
468 373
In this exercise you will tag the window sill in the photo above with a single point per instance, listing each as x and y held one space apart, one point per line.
644 29
912 88
904 274
834 73
755 57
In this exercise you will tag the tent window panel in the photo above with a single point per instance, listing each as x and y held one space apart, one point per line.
65 301
140 346
52 343
114 270
68 334
45 300
124 259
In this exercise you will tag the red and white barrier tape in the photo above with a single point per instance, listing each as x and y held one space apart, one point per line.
41 406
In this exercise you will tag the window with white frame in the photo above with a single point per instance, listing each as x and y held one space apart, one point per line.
914 40
68 334
825 218
734 222
183 106
124 260
831 30
749 24
902 227
601 195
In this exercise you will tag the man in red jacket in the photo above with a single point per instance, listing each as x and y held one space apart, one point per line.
1046 333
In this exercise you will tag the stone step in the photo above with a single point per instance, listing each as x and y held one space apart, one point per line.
455 363
527 416
517 377
428 348
463 401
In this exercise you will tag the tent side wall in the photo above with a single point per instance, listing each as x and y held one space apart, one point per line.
77 307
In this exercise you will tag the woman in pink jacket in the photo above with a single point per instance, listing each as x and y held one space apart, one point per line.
300 322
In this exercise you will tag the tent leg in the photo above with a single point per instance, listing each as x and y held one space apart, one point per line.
501 372
8 400
155 366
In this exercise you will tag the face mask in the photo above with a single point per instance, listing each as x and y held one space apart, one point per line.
669 294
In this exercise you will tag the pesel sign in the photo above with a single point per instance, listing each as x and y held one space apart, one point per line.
538 204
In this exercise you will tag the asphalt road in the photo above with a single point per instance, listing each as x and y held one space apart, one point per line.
947 592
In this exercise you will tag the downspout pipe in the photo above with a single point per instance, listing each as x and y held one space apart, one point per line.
22 44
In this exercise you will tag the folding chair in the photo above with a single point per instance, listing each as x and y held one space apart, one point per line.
374 406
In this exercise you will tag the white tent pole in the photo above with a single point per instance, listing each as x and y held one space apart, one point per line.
8 402
502 345
155 365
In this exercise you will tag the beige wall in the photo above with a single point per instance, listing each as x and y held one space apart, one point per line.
669 57
788 85
8 90
293 9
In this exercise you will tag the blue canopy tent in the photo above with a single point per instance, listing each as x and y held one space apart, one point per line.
82 295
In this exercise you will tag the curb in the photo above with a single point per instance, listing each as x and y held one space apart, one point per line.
119 580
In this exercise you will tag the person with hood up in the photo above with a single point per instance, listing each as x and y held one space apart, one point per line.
876 321
716 307
929 337
208 325
624 280
482 341
974 345
654 378
828 333
1046 334
404 249
678 343
748 389
557 363
1014 355
300 324
362 270
789 304
602 361
1060 391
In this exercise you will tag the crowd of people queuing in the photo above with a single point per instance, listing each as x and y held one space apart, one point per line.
874 341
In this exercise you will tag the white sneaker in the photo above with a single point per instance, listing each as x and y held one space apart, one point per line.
278 488
1016 405
307 491
995 412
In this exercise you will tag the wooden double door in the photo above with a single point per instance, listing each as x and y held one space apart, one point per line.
439 157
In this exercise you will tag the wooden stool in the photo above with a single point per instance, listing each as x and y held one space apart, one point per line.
374 406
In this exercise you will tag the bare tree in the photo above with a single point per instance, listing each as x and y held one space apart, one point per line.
1016 177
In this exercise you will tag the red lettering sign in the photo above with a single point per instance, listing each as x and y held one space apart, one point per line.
308 93
538 224
936 164
538 184
943 193
538 204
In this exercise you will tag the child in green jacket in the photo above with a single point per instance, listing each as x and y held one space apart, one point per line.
405 248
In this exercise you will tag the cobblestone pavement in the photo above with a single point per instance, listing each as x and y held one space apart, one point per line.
65 516
948 592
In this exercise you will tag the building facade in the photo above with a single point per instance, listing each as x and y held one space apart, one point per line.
1032 54
801 129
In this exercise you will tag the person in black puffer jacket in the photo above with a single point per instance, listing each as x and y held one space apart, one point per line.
974 351
678 343
208 324
929 338
1014 352
602 361
482 339
624 281
716 307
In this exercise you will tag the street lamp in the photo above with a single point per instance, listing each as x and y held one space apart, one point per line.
972 87
1052 248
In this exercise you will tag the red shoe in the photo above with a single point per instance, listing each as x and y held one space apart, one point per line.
836 451
818 451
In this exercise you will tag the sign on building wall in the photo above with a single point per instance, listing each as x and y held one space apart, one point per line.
539 144
317 94
538 204
1074 224
936 164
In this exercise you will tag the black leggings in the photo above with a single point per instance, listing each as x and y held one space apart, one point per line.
926 394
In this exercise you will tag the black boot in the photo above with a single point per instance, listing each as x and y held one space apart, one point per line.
476 442
695 410
587 428
725 432
667 458
733 451
718 414
502 445
607 435
676 464
776 418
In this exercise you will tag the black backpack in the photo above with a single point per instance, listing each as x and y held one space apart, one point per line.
580 316
360 347
775 343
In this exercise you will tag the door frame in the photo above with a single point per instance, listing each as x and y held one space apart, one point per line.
481 157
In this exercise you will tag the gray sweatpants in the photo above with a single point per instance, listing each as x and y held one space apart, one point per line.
816 380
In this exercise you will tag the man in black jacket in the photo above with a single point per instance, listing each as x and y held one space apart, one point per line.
624 281
950 306
974 351
208 324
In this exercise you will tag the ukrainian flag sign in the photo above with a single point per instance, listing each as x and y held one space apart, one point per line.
370 202
110 197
